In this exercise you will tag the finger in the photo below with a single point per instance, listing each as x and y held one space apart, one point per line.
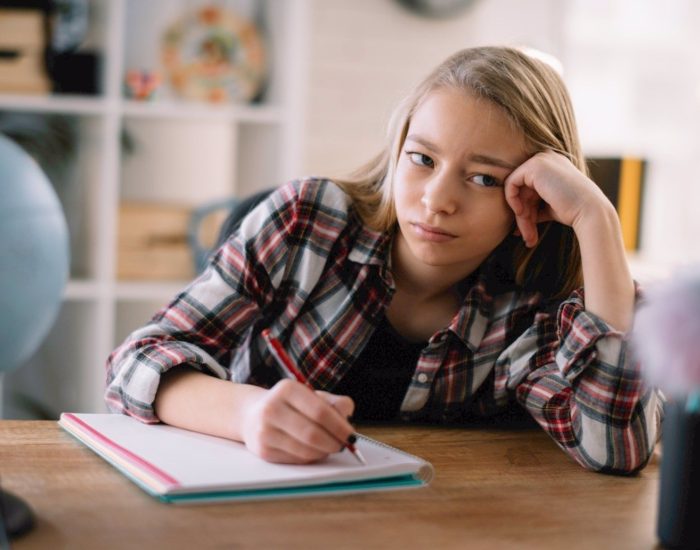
512 195
320 411
535 210
528 230
528 225
309 418
517 188
281 447
342 403
545 214
289 430
311 438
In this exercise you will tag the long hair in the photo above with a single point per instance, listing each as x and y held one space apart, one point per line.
536 101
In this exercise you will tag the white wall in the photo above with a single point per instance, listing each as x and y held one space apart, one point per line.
634 74
630 65
366 54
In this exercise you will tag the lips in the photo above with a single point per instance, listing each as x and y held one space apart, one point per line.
432 233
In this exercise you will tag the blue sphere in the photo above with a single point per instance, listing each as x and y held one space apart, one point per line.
34 255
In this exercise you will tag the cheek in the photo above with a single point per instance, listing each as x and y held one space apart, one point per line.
498 218
506 213
402 178
407 171
405 189
507 220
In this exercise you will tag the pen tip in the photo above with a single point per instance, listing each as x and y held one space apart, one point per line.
360 458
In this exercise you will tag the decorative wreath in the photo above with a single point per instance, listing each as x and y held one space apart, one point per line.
214 55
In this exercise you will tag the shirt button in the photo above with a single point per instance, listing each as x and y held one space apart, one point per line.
422 378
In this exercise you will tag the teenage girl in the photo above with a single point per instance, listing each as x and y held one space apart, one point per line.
471 266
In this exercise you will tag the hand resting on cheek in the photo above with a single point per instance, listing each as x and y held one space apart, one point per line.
549 187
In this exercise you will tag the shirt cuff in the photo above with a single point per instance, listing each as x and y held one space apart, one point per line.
585 338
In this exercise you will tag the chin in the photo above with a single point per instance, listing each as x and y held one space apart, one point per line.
437 260
448 260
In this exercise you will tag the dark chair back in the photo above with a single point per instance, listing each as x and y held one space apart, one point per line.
238 209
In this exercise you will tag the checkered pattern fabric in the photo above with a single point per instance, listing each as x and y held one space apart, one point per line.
303 265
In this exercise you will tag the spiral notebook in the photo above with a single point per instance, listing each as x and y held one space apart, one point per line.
180 466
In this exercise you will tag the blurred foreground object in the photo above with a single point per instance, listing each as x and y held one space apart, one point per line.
667 341
667 336
34 263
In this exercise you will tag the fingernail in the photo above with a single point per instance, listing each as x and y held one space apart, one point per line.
352 438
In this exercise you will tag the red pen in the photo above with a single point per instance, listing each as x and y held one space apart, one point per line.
287 364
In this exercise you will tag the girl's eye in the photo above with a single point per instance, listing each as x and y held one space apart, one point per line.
485 180
421 160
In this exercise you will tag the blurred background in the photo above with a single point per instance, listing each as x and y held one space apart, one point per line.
145 114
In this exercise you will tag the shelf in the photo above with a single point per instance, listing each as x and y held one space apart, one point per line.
147 290
80 289
167 151
69 105
80 105
184 110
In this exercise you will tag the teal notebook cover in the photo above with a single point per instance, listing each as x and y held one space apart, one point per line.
178 466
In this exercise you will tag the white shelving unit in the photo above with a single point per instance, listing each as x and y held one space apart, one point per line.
67 373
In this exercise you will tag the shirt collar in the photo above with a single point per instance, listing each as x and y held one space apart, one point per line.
476 311
474 315
370 247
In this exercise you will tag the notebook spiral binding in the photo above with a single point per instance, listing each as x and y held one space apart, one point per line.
426 472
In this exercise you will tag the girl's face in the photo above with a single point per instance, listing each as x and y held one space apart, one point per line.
448 185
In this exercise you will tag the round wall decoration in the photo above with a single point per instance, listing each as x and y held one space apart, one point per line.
215 55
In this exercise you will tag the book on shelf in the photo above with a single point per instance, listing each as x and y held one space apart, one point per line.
622 181
154 240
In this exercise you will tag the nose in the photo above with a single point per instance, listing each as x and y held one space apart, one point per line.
439 195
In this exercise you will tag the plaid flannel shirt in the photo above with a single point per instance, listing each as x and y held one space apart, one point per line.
303 265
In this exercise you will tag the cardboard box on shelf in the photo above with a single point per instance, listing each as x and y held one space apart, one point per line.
22 43
153 241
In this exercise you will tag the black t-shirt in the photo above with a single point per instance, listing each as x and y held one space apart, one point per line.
378 380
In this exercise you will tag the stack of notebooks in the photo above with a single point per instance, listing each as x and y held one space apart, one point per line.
179 466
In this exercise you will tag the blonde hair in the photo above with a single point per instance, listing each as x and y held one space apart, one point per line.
535 98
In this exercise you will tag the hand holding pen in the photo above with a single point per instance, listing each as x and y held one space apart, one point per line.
312 420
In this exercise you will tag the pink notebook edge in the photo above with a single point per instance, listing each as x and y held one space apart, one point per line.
140 464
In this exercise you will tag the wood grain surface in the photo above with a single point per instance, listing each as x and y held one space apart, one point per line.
494 488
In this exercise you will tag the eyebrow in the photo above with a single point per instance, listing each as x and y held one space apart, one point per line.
481 159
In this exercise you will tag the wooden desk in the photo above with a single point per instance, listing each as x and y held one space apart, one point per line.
493 488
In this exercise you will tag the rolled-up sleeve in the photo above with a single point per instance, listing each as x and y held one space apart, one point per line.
208 320
578 378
